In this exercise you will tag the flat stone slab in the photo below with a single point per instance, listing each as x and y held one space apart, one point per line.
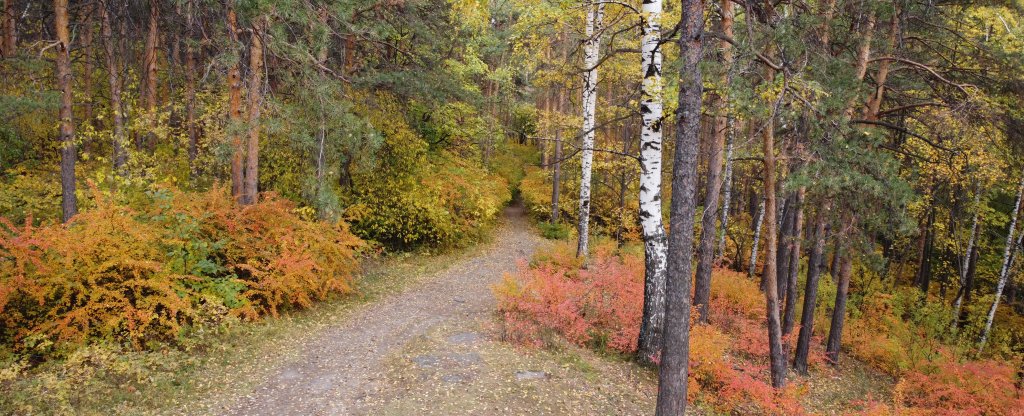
430 361
530 375
465 338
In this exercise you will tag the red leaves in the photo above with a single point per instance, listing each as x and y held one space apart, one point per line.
141 274
599 306
968 388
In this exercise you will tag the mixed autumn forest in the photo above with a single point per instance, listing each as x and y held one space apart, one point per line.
770 207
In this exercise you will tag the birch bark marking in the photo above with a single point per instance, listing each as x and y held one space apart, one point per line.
727 190
1004 272
655 249
591 49
757 240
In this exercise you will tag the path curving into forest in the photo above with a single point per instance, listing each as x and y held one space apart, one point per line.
340 371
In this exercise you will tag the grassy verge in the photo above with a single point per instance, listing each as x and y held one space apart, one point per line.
228 358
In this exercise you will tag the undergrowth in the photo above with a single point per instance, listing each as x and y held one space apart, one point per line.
600 307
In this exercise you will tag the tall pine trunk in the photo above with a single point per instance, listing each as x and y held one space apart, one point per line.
789 315
835 331
250 191
149 75
675 358
1004 272
190 91
235 107
87 66
120 156
9 37
815 265
720 101
649 344
771 294
68 152
591 49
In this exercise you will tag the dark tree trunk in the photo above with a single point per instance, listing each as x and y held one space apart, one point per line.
250 189
835 331
924 271
10 30
833 268
785 246
776 352
815 265
190 93
149 75
672 377
794 265
713 184
235 108
114 78
68 152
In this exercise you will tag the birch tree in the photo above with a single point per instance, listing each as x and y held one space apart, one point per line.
591 50
1005 270
655 248
757 240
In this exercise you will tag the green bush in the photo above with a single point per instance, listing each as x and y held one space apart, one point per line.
556 231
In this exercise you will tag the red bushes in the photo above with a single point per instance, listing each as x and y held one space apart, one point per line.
141 273
982 387
600 306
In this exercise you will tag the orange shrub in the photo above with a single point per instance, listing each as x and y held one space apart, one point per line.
141 272
601 306
981 387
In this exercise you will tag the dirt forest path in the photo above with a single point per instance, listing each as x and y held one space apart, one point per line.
433 349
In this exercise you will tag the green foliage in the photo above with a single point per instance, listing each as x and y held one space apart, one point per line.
555 231
416 195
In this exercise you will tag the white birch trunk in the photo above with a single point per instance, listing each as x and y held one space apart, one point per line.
958 303
757 239
655 247
726 191
591 49
1004 272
